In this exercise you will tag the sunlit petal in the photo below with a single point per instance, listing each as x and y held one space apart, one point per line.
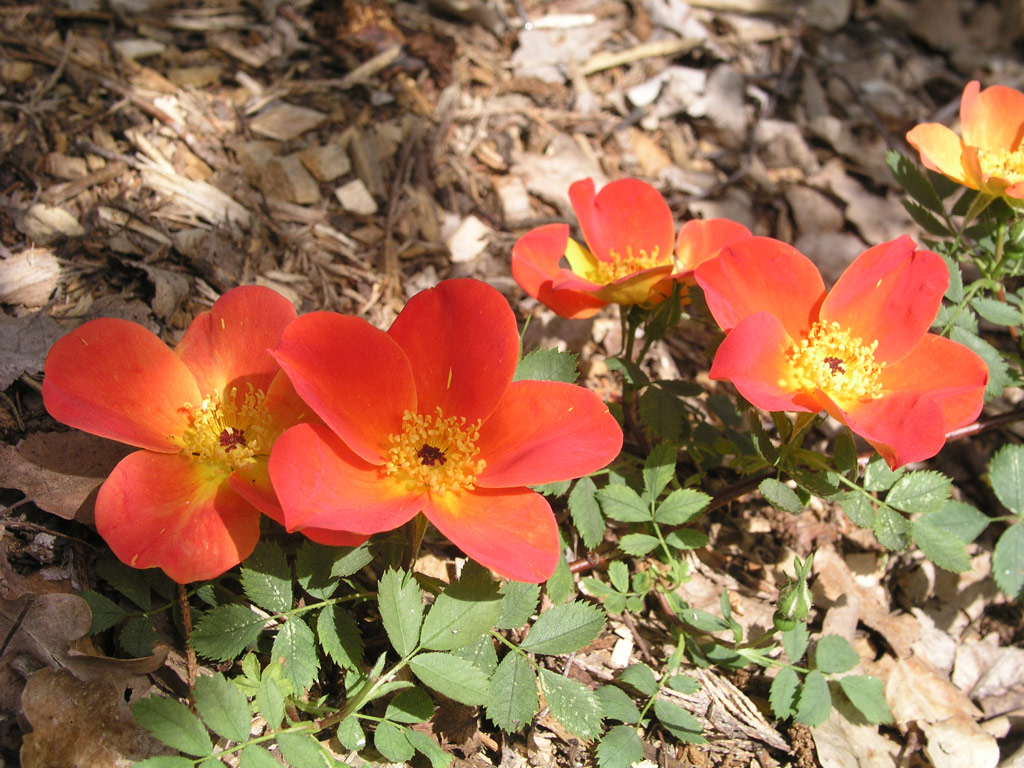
627 216
992 118
701 239
512 532
941 150
115 379
902 426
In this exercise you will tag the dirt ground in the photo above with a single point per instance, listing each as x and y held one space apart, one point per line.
349 154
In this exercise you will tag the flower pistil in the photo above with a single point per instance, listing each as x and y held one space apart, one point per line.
842 366
435 453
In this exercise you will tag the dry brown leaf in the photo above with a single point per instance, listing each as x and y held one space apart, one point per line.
60 471
24 342
29 277
79 724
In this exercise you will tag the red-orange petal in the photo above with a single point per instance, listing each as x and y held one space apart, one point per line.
354 377
902 426
626 216
753 357
701 239
511 531
890 294
166 511
115 379
231 343
941 150
945 371
761 274
321 483
546 431
535 259
992 118
462 344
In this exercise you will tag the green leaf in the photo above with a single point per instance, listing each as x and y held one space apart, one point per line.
891 529
662 412
681 506
867 694
255 756
572 704
313 565
166 761
857 506
878 476
350 560
659 469
641 677
412 705
223 707
959 519
429 748
350 734
997 312
586 512
616 704
105 612
270 700
920 492
266 579
564 629
453 677
683 684
925 220
295 650
834 654
913 181
556 489
518 604
1008 561
814 702
465 610
620 748
137 636
125 580
620 502
481 653
998 371
618 575
561 583
955 291
686 538
844 452
1006 473
702 620
940 546
638 544
301 750
339 637
780 495
390 741
401 609
547 365
677 721
171 722
514 699
782 695
795 641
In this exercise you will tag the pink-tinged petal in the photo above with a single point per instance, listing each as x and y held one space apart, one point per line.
627 216
753 357
890 294
993 118
903 427
115 379
760 274
283 405
701 239
166 511
353 376
535 258
941 150
946 372
463 345
322 483
231 342
510 531
546 431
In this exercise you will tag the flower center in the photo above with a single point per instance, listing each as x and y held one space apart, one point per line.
229 432
620 266
435 453
1002 164
838 364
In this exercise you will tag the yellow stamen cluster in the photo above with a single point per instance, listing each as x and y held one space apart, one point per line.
1002 164
838 364
435 453
620 266
229 431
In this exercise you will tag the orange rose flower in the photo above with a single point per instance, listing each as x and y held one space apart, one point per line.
426 418
861 352
205 415
988 157
629 258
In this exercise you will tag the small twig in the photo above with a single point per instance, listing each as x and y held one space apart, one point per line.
191 666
